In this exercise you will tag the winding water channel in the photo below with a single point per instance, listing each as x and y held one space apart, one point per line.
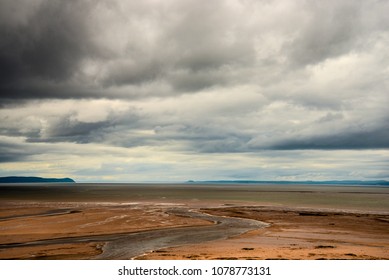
130 245
136 244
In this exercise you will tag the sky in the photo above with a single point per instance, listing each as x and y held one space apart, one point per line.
176 90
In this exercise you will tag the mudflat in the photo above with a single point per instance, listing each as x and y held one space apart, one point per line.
193 222
34 230
294 234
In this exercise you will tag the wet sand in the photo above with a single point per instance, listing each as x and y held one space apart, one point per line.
110 231
295 234
152 225
41 232
138 244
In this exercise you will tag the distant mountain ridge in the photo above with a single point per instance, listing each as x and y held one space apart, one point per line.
330 182
20 179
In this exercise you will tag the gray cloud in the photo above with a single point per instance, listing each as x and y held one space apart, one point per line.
55 49
333 28
12 150
12 153
371 139
46 45
198 78
73 131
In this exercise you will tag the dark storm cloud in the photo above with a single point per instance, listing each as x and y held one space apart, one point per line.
12 153
46 47
120 49
17 151
228 142
42 47
369 139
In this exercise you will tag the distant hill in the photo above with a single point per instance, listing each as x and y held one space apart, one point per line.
334 182
18 179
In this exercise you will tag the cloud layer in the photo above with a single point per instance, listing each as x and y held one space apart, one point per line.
176 89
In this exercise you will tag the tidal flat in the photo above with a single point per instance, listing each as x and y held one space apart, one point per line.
193 221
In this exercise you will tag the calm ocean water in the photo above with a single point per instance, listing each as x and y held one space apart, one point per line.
356 197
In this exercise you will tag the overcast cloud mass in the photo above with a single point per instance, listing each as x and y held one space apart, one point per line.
205 90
